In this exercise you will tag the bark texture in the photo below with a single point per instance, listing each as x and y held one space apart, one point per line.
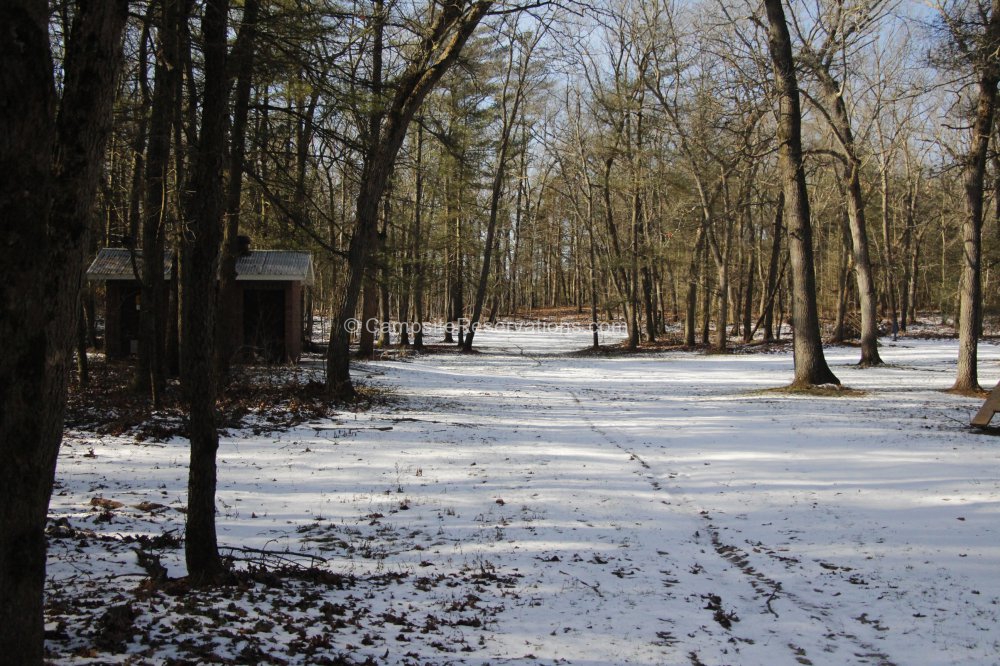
810 363
970 290
51 168
199 255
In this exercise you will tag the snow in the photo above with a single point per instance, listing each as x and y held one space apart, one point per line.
526 505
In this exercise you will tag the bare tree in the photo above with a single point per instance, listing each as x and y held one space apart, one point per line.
810 363
513 91
974 27
150 371
244 51
51 163
204 209
450 27
828 43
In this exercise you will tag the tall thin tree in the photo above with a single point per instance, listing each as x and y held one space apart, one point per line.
204 208
453 23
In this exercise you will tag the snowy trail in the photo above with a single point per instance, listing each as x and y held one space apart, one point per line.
836 602
753 590
689 572
525 506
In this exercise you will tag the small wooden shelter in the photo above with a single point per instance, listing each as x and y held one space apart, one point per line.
117 268
270 290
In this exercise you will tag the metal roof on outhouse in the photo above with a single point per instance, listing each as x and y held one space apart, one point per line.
114 263
275 265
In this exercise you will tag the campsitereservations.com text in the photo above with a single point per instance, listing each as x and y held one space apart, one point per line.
375 325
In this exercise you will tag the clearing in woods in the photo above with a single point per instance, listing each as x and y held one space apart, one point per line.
527 505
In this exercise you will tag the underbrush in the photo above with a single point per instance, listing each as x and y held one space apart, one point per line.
257 398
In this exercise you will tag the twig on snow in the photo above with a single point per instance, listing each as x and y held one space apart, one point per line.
774 595
596 587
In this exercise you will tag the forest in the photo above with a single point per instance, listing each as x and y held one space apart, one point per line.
709 174
622 159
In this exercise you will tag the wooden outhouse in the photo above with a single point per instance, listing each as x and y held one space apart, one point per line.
269 305
271 289
117 269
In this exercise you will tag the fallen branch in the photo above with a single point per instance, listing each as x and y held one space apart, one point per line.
282 557
596 587
774 595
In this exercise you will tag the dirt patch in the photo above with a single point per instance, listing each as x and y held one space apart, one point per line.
823 391
981 394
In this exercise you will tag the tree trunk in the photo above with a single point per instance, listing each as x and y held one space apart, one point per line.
484 273
783 289
909 229
509 122
862 269
810 363
382 260
309 308
843 286
851 179
385 306
172 345
82 364
369 316
691 302
496 193
457 283
914 271
690 313
90 312
970 289
706 298
205 207
621 277
227 329
404 300
407 252
150 374
594 329
638 222
943 282
722 305
418 250
771 285
142 129
721 258
748 297
51 168
888 255
648 303
452 296
720 255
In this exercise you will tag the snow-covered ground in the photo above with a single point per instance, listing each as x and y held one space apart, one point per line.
524 505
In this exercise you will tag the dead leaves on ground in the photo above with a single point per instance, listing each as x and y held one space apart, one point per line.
258 399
